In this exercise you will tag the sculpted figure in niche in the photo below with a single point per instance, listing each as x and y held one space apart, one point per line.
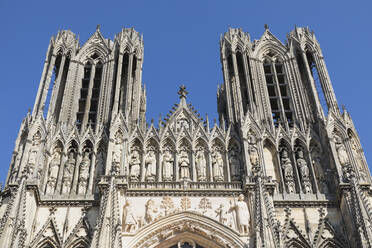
317 164
84 173
253 152
241 214
358 158
235 164
68 172
151 211
201 166
184 164
117 153
134 163
129 218
217 164
150 163
341 151
100 163
304 172
53 170
287 171
32 158
167 166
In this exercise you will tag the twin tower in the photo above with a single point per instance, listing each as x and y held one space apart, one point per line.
283 168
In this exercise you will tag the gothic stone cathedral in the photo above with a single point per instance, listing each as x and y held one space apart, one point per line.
283 168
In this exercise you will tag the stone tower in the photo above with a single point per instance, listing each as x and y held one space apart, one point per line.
283 168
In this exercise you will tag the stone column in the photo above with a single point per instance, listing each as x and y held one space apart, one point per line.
296 174
92 172
248 81
75 179
237 98
175 167
312 83
228 171
89 96
159 165
210 167
142 177
49 62
61 171
194 176
117 85
312 171
56 86
129 85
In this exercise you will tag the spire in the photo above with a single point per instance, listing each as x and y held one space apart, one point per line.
183 93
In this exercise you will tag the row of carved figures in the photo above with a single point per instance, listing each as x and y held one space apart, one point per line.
216 165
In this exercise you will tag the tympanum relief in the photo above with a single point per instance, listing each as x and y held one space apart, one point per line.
232 212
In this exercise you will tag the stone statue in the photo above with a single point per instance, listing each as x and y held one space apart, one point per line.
241 214
151 211
168 166
201 166
129 218
304 172
220 214
184 164
84 173
117 152
134 164
235 164
217 164
253 156
53 170
68 172
150 164
341 151
287 171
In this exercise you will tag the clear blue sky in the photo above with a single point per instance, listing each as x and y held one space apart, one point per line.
181 47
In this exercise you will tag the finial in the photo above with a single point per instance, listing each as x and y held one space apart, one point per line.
98 27
266 27
182 92
29 110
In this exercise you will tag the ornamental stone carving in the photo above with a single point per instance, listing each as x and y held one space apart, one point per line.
241 214
221 214
150 165
135 165
217 166
201 166
68 172
287 171
167 166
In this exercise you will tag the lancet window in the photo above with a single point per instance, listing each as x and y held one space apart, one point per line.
278 91
242 80
89 94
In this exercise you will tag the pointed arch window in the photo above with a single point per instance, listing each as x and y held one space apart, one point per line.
278 91
242 80
89 93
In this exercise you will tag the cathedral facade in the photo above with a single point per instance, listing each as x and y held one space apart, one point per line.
283 167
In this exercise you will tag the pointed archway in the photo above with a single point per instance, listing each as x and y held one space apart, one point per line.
186 229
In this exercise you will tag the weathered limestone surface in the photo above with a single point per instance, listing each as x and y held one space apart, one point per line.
283 168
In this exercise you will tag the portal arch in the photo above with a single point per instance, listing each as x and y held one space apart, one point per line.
197 230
